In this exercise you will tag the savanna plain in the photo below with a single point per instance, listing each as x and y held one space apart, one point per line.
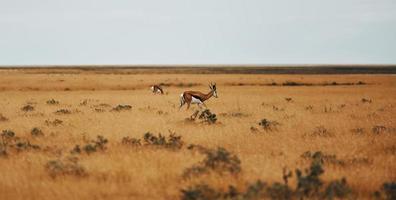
76 134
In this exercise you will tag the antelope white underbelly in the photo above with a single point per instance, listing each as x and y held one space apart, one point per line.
195 101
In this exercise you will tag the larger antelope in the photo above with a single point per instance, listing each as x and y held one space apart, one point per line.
195 97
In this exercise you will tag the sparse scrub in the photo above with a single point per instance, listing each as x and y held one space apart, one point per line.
387 191
358 131
321 131
207 117
92 146
288 99
378 129
9 141
27 108
122 108
364 100
268 125
173 141
23 145
55 122
68 166
337 189
36 132
309 107
52 102
217 160
131 141
62 111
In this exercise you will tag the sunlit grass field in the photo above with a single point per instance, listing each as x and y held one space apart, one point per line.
348 118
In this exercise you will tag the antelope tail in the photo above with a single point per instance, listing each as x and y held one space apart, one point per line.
182 100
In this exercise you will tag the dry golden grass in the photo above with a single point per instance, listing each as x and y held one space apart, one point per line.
124 172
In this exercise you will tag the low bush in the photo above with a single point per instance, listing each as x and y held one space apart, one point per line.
55 122
216 160
69 166
387 191
207 117
131 141
268 125
36 132
63 111
172 141
27 108
321 131
91 146
52 102
122 108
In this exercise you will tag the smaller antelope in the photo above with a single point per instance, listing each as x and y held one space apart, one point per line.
195 97
156 89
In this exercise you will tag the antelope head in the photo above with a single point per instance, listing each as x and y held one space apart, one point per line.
212 87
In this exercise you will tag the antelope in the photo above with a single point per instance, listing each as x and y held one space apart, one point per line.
156 89
195 97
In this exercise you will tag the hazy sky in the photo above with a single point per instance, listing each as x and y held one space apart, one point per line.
197 31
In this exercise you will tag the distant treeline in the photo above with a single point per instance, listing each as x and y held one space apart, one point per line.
209 69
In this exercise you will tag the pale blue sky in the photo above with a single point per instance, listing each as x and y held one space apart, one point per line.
197 32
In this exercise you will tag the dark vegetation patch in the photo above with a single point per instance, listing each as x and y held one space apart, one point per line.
294 84
36 132
234 114
358 131
309 107
268 125
289 99
100 107
321 131
27 108
217 160
10 142
55 122
181 84
52 102
208 117
62 111
205 117
92 146
309 186
68 166
379 129
386 192
172 141
331 159
122 108
364 100
275 108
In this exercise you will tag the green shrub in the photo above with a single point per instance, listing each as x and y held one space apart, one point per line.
337 189
122 107
36 132
172 141
207 117
387 191
218 160
63 111
268 125
55 122
131 141
27 108
92 146
68 166
309 183
52 102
